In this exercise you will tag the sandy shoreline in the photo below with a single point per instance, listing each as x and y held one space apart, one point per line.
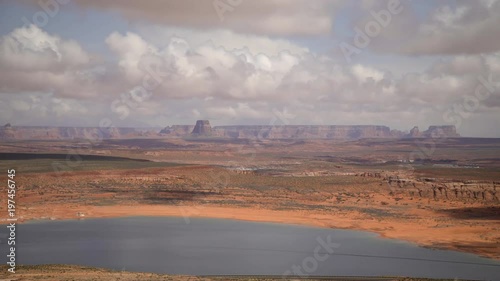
452 237
60 272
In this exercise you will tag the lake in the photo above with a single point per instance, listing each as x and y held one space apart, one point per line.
218 246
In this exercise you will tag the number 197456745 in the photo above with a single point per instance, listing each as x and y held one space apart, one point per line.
11 204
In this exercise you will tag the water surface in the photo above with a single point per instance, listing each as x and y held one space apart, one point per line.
219 246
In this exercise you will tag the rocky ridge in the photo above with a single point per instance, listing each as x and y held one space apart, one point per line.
204 129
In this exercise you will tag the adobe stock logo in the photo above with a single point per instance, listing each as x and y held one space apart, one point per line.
471 103
223 6
362 39
156 71
311 263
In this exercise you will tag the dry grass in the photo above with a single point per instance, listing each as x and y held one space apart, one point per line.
81 273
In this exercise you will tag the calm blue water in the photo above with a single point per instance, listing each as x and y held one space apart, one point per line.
216 246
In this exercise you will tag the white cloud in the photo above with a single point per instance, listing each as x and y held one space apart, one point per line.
363 73
448 17
235 84
33 60
30 48
223 38
467 27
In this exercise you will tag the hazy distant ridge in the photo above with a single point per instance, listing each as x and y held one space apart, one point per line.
344 132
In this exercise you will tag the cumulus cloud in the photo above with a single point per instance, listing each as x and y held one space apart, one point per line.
226 82
30 48
205 70
237 85
451 28
363 73
460 65
33 60
469 28
160 34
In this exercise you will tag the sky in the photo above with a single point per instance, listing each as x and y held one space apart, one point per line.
156 63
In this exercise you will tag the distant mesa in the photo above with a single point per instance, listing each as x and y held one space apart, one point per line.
7 132
414 133
449 131
176 130
202 128
340 132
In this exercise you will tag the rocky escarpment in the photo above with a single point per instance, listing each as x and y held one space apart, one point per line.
203 128
340 132
449 131
303 132
67 133
177 130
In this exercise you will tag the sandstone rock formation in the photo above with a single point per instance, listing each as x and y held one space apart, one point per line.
177 130
67 133
6 132
202 128
414 133
303 132
448 131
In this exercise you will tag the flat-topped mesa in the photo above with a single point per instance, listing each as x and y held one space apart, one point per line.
177 130
449 131
68 133
202 127
345 132
304 131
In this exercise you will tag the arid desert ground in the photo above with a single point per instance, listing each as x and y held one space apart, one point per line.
81 273
448 200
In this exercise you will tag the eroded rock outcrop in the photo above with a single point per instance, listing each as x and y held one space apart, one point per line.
202 128
6 131
303 132
414 133
177 130
68 133
448 131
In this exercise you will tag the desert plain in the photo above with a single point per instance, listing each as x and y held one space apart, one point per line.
447 199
